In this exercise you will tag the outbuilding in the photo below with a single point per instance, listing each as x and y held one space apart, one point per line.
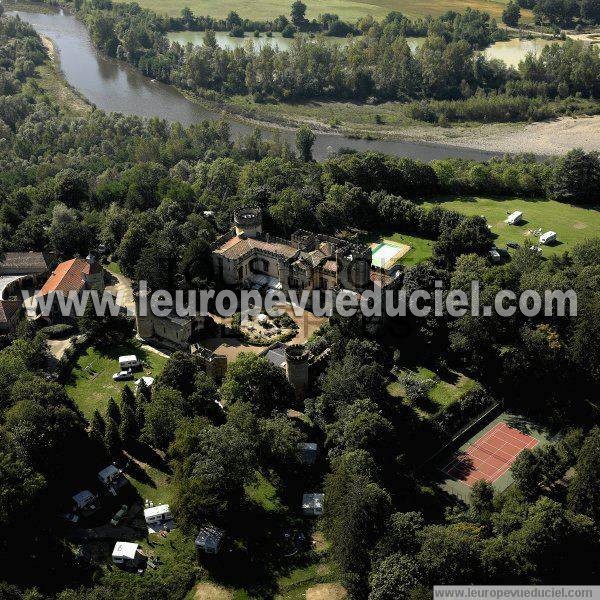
157 514
308 452
85 501
548 237
148 382
515 218
129 362
125 553
112 478
209 539
312 504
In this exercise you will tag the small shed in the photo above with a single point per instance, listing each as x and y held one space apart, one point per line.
312 504
157 514
84 500
308 452
209 539
548 237
125 553
128 362
515 218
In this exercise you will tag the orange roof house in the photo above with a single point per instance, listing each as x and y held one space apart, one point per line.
72 275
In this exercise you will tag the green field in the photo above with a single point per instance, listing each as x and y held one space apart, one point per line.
91 384
353 10
446 390
421 248
573 224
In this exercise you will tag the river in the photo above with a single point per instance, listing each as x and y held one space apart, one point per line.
114 86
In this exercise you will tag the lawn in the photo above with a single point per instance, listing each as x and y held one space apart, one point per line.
573 224
269 9
447 389
91 383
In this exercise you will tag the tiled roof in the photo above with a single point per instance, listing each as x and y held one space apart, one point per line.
330 265
8 308
381 279
238 247
69 276
27 262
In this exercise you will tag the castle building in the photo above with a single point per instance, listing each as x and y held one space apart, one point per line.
245 257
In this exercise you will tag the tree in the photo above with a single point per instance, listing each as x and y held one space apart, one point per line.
394 578
298 14
105 330
450 554
112 411
179 373
97 429
255 380
584 492
305 139
128 429
528 473
511 14
162 416
128 398
112 439
288 31
575 176
482 500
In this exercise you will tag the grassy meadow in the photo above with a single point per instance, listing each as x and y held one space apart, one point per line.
573 224
91 384
353 10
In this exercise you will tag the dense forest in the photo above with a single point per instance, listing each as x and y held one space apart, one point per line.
141 187
376 67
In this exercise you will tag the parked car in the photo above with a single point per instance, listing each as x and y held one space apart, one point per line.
119 515
513 245
123 375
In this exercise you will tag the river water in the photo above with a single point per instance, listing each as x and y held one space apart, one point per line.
114 86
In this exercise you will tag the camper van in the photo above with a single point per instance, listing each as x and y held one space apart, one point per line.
128 362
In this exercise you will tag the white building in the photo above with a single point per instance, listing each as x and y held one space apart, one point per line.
514 218
209 539
112 478
157 514
312 504
548 237
128 362
84 500
125 553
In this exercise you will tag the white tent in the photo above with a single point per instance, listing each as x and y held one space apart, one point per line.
148 381
124 551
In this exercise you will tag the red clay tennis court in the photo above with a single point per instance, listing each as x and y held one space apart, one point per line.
490 456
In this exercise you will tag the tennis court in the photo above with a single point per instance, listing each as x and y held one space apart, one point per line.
387 253
489 454
489 457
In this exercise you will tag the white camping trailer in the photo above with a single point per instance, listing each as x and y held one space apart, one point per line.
129 362
157 514
514 218
125 553
548 237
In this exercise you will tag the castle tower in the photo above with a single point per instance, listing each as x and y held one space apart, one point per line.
297 368
248 221
143 323
354 268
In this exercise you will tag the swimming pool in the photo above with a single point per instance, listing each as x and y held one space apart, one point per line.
385 254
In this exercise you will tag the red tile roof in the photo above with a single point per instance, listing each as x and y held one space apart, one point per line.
69 276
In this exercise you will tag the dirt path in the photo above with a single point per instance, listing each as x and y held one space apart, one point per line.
122 289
